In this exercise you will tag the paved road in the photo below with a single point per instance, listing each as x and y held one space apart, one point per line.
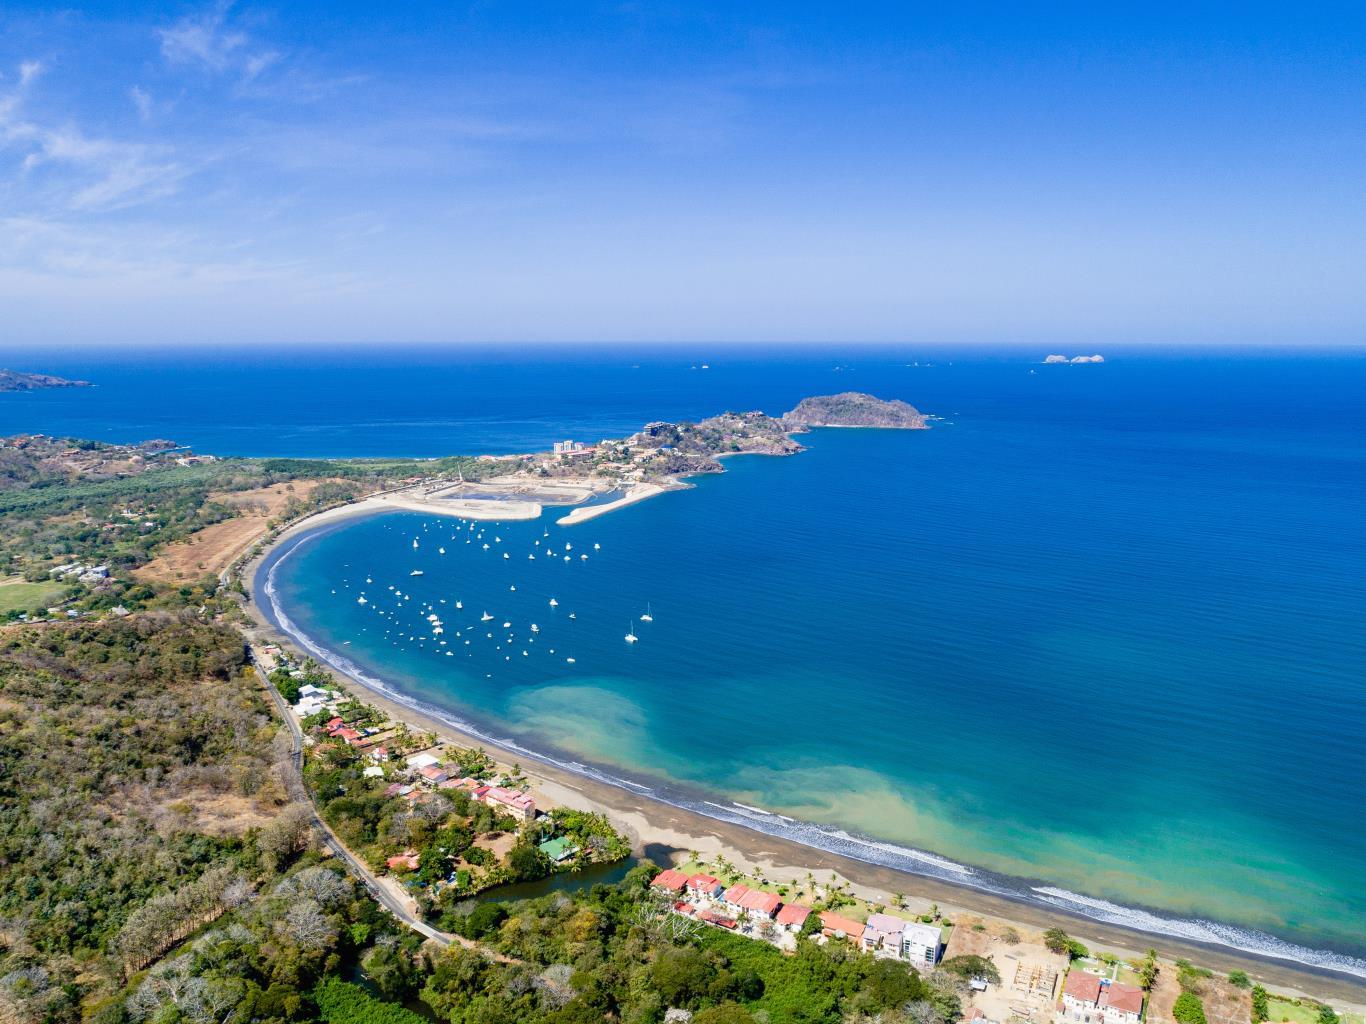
358 868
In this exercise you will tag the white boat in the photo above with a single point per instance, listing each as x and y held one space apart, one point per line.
630 637
554 603
416 572
506 555
566 558
486 547
573 615
597 547
512 586
531 556
583 558
535 628
507 625
570 660
362 600
485 617
414 543
440 551
459 604
647 617
369 580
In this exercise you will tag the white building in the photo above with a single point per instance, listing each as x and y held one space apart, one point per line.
920 944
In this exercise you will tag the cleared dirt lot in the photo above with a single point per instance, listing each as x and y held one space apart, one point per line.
212 549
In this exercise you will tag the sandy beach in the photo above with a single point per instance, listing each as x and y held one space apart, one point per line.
637 493
665 833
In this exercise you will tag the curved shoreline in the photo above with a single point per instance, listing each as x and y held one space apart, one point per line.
782 845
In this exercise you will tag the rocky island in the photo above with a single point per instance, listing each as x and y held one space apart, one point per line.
15 380
854 409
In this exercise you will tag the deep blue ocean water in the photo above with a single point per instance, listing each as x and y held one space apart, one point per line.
1096 638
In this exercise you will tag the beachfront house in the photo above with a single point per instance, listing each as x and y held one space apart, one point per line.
1120 1003
519 805
760 904
732 897
705 885
882 935
419 761
670 880
920 943
791 916
836 926
1090 999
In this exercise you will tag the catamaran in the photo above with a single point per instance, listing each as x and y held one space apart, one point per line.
416 572
647 617
554 603
485 617
630 637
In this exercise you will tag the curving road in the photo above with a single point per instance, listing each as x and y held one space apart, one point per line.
294 782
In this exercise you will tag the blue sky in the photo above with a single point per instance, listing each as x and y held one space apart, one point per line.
514 172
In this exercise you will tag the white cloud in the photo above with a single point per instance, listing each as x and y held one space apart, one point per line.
28 71
142 99
207 41
202 39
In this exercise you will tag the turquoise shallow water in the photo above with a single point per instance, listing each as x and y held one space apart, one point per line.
1108 657
1101 632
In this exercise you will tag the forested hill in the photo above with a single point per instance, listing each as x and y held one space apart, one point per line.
14 380
854 409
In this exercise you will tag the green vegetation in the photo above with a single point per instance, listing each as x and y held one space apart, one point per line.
1261 1007
1188 1009
1058 941
17 596
969 966
1239 979
340 1002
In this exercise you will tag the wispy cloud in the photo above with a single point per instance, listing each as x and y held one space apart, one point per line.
72 169
209 42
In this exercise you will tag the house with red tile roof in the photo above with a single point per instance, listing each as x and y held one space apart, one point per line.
673 881
433 773
350 735
792 916
1121 1004
519 805
712 917
1081 997
705 885
406 861
761 904
732 896
836 926
333 724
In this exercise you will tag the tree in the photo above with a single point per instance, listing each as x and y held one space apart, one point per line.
528 863
1057 940
1148 970
1327 1015
723 1013
970 966
1261 1008
1188 1009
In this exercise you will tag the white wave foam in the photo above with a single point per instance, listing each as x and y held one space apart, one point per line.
843 843
1248 940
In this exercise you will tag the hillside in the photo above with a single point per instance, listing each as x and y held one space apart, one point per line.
854 409
14 380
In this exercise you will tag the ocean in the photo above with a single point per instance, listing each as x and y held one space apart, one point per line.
1096 639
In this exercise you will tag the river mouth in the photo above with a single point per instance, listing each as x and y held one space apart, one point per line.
714 804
